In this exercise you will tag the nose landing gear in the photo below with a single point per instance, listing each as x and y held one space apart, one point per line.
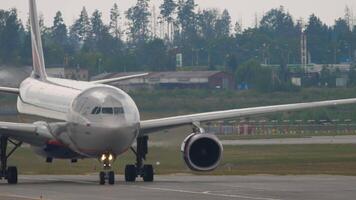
139 169
107 174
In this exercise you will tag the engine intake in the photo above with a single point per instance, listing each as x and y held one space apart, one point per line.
202 152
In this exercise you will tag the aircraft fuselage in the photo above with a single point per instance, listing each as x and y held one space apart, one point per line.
99 118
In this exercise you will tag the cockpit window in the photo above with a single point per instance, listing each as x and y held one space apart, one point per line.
118 110
94 110
108 110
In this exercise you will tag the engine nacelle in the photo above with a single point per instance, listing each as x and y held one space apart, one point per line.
202 152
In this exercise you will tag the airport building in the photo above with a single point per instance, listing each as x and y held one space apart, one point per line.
69 73
312 72
174 80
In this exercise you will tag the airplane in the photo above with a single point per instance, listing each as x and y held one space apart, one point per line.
92 120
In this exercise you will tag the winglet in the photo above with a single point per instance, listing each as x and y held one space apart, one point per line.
39 71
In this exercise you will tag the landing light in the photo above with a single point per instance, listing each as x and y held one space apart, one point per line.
103 157
107 157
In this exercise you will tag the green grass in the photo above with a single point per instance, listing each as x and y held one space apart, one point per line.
238 160
172 102
286 135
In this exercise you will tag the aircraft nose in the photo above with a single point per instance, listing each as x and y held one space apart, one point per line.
104 137
103 119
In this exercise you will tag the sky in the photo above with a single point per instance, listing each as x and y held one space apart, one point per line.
240 10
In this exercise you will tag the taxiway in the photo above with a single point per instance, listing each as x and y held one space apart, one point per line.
258 187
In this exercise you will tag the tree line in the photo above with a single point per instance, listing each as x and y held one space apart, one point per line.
205 37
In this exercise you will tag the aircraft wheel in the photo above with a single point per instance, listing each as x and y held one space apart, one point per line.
148 173
130 173
102 178
12 175
111 177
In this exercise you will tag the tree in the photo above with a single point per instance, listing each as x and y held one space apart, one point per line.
187 18
56 45
114 22
327 78
100 39
155 55
318 40
202 36
231 63
98 26
187 38
223 25
59 30
278 22
283 37
138 16
3 16
168 8
213 44
342 40
10 41
257 77
238 28
354 45
206 21
80 30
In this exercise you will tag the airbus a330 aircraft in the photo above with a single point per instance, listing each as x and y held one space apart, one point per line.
94 120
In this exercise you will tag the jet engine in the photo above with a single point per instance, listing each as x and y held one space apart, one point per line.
202 152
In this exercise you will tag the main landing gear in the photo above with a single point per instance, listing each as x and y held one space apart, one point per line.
139 169
107 174
8 173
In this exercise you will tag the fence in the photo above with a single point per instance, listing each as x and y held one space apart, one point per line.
283 127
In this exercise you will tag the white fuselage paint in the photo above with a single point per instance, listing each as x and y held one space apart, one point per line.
113 129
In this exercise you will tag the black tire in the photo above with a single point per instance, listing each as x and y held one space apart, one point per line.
102 178
130 173
12 175
111 177
148 173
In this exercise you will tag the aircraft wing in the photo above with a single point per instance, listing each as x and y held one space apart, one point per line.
33 134
112 80
9 90
150 126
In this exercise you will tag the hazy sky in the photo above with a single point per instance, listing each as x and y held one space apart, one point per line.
244 10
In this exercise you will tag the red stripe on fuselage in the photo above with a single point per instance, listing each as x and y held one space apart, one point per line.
56 143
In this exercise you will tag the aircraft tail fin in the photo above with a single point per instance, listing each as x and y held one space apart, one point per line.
39 71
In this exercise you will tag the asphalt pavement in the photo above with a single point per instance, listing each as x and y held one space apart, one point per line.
260 187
